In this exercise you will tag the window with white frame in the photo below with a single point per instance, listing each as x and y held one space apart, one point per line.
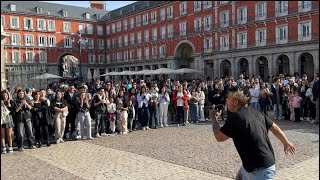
125 56
67 42
163 14
89 29
183 8
207 23
120 41
43 57
207 45
281 8
66 27
39 10
29 40
51 41
28 24
81 29
145 19
304 6
100 30
224 19
113 28
169 12
139 54
138 21
183 28
170 31
108 43
197 6
29 57
132 39
261 37
163 32
261 11
224 43
41 25
162 51
125 25
154 52
146 35
16 57
6 56
101 59
207 4
51 25
126 40
118 26
108 58
242 40
92 58
139 36
15 39
154 34
64 13
119 56
304 31
132 23
100 44
108 30
223 2
154 17
282 34
131 54
146 53
90 43
3 22
13 7
87 15
42 41
14 22
197 25
242 15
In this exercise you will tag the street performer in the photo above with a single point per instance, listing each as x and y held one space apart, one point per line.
248 127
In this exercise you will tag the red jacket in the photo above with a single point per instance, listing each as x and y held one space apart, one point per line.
185 98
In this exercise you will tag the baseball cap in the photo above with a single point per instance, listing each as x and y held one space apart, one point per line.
27 90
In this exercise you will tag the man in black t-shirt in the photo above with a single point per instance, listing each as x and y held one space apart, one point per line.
249 128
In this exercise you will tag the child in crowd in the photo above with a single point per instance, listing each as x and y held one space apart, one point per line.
111 108
296 106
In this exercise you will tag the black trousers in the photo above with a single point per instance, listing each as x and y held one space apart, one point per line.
297 114
180 115
70 120
40 124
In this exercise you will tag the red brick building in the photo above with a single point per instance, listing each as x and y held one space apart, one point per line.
221 38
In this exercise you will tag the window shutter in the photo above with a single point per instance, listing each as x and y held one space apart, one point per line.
221 42
257 37
238 40
277 35
210 43
245 15
299 31
238 16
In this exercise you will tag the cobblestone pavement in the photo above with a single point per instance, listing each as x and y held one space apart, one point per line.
189 152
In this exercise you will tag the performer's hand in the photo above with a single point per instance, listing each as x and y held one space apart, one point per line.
289 148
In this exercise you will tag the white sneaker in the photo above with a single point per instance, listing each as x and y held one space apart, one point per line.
144 128
147 128
125 132
98 135
74 134
161 126
166 125
104 134
61 140
90 138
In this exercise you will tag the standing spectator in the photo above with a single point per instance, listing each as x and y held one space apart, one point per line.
6 122
143 101
164 101
201 97
123 116
264 95
254 96
131 115
84 118
132 95
111 108
100 102
69 98
315 92
180 97
277 95
61 112
194 106
153 106
28 92
39 119
22 120
186 103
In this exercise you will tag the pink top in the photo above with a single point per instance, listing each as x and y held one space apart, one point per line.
296 101
291 100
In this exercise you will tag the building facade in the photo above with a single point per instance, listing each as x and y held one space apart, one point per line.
220 38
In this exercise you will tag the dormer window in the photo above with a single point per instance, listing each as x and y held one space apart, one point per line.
38 10
98 16
87 15
13 7
64 13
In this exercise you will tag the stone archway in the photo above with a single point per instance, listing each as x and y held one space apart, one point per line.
225 68
183 55
243 65
306 64
69 65
263 71
283 63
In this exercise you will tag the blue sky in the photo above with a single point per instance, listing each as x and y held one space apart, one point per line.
111 5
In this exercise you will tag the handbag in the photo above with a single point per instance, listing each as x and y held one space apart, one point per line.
5 114
65 114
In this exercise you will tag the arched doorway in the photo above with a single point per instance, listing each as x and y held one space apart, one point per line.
183 55
225 68
262 64
243 65
283 64
69 65
306 65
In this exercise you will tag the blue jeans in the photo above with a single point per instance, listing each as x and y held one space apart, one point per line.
278 111
193 112
262 174
254 105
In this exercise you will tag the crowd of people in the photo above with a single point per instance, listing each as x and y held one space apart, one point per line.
66 111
